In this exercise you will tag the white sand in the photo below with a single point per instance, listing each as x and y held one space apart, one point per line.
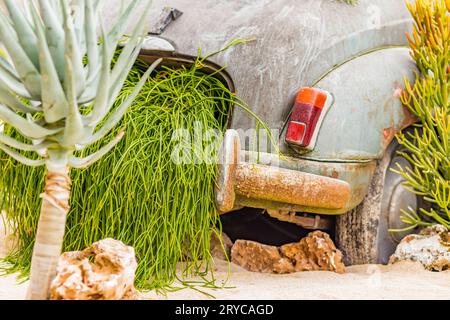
406 280
10 289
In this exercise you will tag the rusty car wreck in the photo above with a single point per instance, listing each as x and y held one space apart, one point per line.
343 181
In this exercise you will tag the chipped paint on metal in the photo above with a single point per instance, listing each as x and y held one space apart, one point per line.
367 112
357 175
292 187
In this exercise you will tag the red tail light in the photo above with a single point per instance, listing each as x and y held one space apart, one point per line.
311 106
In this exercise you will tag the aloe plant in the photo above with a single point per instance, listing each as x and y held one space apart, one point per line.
57 92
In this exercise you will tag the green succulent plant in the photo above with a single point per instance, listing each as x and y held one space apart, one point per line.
428 145
57 90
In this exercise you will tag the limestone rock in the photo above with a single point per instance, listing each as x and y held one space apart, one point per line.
104 271
221 250
257 257
431 248
314 252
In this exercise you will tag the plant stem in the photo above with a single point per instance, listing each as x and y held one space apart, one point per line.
50 232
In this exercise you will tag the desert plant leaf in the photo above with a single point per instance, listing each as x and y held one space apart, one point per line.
43 91
428 144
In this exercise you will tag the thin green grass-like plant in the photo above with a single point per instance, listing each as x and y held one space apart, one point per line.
44 86
351 2
136 193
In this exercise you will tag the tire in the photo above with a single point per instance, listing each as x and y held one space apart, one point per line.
363 234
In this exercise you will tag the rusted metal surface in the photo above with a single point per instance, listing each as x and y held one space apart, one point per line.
288 186
388 135
273 183
307 222
226 179
358 175
409 118
363 233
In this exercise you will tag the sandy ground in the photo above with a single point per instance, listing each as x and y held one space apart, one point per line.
406 280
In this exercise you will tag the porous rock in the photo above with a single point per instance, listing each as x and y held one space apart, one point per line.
314 252
221 247
431 248
104 271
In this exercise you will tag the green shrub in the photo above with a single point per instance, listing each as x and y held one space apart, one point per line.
136 193
428 144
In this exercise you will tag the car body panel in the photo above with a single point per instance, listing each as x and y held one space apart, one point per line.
296 43
367 111
351 51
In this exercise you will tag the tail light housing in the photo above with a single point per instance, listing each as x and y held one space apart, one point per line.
310 107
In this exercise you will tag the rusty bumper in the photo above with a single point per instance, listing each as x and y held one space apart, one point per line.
289 186
241 181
